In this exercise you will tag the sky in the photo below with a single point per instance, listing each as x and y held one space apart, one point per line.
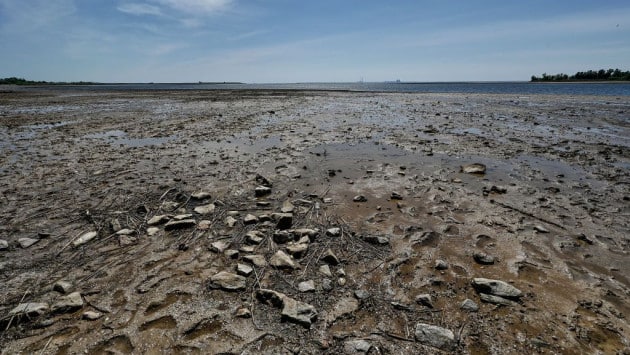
287 41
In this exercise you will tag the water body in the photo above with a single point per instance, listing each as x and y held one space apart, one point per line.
522 88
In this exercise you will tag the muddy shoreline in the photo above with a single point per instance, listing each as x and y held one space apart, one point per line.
550 216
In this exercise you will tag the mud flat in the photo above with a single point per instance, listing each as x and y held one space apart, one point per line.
296 222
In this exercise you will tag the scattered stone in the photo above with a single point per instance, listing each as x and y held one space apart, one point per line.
359 198
205 209
282 237
254 237
435 336
30 309
361 294
155 220
441 264
483 258
306 286
151 231
69 303
248 248
325 270
358 346
179 224
91 315
230 221
125 240
282 260
327 284
498 189
475 168
330 258
243 312
233 254
496 287
201 195
540 229
250 219
469 305
233 213
181 217
219 246
328 200
228 281
292 310
341 281
376 239
396 196
496 300
287 207
283 220
62 287
261 191
298 249
263 181
256 260
4 245
425 300
344 306
86 237
244 270
309 232
27 242
126 231
333 232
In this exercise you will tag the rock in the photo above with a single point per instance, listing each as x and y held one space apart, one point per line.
204 224
441 264
69 303
283 220
475 168
219 246
496 287
469 305
254 237
4 245
282 260
155 220
483 258
333 232
230 221
361 294
342 307
126 231
263 181
311 233
62 287
84 238
359 198
257 260
498 189
228 281
282 237
328 200
376 239
298 312
151 231
250 219
261 191
306 286
287 207
496 300
327 285
30 309
330 258
358 346
248 249
91 315
425 300
205 209
201 195
233 213
125 240
232 254
435 336
297 250
270 297
540 229
325 270
27 242
179 224
243 269
396 196
341 281
243 312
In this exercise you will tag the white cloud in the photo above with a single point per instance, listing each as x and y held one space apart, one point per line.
196 7
140 9
30 16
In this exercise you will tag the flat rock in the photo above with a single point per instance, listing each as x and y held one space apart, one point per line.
91 315
333 232
250 219
287 207
283 220
306 286
309 232
483 258
441 264
62 286
376 239
151 231
282 237
325 270
475 168
297 250
298 312
254 237
359 198
469 305
179 224
228 281
230 221
219 246
183 216
205 209
244 269
342 307
27 242
496 287
126 231
243 312
69 303
4 245
330 258
84 238
435 336
261 191
282 260
160 219
201 195
496 300
361 294
30 309
256 260
357 346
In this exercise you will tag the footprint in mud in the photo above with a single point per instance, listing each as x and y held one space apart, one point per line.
166 322
203 327
170 299
484 241
120 344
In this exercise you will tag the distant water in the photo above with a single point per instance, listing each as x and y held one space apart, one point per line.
597 88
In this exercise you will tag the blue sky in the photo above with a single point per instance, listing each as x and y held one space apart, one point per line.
309 41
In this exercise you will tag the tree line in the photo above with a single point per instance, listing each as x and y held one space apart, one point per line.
21 81
591 75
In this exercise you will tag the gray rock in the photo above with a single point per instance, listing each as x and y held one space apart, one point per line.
483 258
396 196
298 312
30 309
287 207
297 250
62 287
330 258
359 198
230 221
84 238
341 281
69 303
306 286
233 254
441 264
376 239
283 220
91 315
282 237
243 269
327 285
205 209
27 242
325 270
282 260
496 287
151 231
342 307
126 231
425 300
247 249
475 168
358 346
361 294
254 237
256 260
261 191
435 336
219 246
179 224
469 305
4 245
228 281
333 232
201 195
250 219
243 312
496 300
541 229
309 232
155 220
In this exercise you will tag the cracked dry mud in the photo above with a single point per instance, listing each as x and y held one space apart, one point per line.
305 265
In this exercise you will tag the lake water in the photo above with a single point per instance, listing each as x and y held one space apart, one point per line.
596 88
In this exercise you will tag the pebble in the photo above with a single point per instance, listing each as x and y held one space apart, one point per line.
483 258
359 198
469 305
343 306
496 287
201 195
333 232
179 224
541 229
325 270
441 264
4 245
376 239
27 242
155 220
228 281
68 304
250 219
254 237
91 315
282 260
282 237
287 207
306 286
205 209
475 168
230 221
361 294
425 300
297 249
327 284
358 346
243 269
219 246
292 310
62 286
233 254
396 196
30 309
243 312
256 260
86 237
151 231
283 220
261 191
330 258
435 336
